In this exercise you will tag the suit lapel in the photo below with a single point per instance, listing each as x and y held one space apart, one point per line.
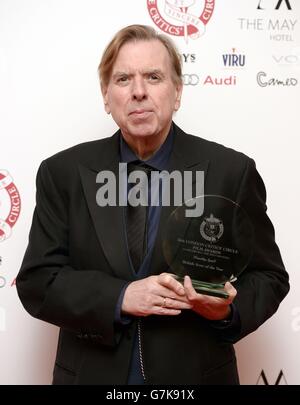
109 220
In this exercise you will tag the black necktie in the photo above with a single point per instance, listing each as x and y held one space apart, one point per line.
136 222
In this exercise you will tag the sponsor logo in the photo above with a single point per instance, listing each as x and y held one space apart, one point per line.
188 57
264 81
286 60
277 4
279 29
10 205
181 18
280 380
2 279
234 59
281 37
220 81
190 79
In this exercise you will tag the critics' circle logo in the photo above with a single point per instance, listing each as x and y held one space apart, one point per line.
10 204
182 18
211 229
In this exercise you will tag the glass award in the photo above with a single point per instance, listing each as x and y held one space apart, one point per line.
213 247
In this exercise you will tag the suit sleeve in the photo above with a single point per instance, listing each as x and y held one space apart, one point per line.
264 283
82 301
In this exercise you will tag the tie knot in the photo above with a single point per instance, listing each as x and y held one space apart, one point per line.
139 165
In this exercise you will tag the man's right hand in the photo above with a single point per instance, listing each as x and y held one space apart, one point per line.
155 295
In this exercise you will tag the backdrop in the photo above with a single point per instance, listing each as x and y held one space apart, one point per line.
241 63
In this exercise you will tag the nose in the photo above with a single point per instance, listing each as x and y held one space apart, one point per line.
139 90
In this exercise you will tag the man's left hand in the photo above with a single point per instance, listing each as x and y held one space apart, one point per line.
212 308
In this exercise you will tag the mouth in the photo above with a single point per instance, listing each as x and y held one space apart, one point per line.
140 113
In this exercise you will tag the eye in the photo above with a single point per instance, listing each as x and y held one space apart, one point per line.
122 79
154 77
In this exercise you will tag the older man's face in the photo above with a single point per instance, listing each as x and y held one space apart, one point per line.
141 95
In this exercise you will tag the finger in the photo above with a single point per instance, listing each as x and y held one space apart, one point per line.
167 280
189 289
231 291
166 292
178 304
174 304
165 311
166 302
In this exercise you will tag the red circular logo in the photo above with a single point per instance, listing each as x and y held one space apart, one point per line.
10 205
193 16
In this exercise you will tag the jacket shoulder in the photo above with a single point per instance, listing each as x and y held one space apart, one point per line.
79 153
221 156
63 167
217 150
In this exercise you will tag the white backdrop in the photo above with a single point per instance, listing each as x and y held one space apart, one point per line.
50 100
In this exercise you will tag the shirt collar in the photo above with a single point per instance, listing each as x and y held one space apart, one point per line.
158 161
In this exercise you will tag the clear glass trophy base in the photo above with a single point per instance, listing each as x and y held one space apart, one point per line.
212 289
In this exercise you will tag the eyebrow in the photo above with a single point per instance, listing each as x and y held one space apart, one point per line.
155 71
119 73
145 72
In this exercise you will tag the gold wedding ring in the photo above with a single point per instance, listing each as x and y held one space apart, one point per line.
164 302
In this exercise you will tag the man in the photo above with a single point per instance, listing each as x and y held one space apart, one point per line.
123 321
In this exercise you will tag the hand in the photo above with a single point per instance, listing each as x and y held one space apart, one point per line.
212 308
155 295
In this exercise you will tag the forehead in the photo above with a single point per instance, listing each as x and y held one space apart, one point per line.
143 55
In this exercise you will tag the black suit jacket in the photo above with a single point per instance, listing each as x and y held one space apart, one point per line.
76 265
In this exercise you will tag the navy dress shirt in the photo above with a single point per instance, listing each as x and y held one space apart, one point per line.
159 161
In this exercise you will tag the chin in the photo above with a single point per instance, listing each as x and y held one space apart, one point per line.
142 130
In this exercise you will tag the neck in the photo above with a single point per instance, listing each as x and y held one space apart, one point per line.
145 147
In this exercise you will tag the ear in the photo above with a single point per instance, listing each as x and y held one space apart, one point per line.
178 93
105 98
